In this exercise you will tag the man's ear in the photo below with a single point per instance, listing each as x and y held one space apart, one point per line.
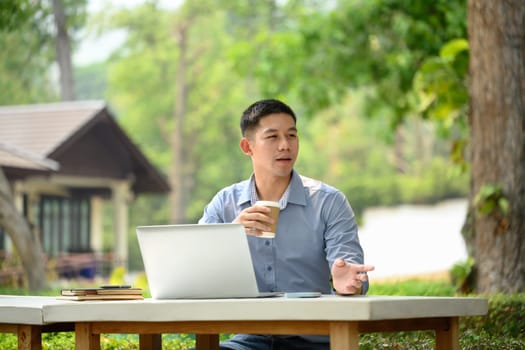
245 146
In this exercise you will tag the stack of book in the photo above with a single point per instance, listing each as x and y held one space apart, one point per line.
102 293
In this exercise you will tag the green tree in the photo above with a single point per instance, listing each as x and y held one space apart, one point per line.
26 54
412 59
32 45
178 96
68 16
15 13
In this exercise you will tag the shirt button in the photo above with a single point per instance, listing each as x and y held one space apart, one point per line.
267 243
269 268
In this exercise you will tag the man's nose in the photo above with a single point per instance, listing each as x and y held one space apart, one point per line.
284 143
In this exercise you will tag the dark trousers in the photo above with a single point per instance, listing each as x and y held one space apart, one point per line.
270 342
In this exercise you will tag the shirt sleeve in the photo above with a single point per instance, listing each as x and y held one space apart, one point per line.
213 212
341 234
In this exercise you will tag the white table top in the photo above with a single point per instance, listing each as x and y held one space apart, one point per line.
43 310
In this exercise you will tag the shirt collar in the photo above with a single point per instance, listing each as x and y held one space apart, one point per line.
294 193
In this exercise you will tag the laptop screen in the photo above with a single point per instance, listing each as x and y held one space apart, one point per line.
197 261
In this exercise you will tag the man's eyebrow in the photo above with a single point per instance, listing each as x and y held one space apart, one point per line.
270 130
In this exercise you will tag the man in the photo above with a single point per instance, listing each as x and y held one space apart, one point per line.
316 247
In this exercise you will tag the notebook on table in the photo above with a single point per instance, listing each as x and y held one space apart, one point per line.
198 261
101 293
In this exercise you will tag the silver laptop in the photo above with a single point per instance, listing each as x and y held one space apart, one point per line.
198 261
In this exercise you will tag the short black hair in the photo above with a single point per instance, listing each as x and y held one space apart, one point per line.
252 115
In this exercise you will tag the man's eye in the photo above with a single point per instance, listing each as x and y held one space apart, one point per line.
272 136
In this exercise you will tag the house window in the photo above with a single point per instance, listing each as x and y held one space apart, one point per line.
64 224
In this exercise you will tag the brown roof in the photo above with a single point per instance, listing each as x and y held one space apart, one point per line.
42 128
81 136
13 156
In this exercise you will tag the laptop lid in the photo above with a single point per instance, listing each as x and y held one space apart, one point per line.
197 261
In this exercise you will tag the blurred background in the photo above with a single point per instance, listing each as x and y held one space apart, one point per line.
378 86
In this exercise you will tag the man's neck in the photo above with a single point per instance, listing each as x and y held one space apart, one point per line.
271 188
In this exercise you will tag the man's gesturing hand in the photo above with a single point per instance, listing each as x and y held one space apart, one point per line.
348 278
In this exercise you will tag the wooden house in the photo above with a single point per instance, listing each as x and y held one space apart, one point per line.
63 160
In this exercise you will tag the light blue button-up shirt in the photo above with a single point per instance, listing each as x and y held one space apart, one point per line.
316 226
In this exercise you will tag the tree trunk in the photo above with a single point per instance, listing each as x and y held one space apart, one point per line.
497 127
63 51
27 245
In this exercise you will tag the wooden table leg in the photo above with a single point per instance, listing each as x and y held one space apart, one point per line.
84 337
448 339
344 336
206 342
29 337
150 341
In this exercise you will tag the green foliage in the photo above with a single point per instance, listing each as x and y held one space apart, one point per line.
413 286
25 56
355 44
237 54
502 328
490 199
8 341
349 151
473 340
421 340
441 86
27 39
505 319
91 81
15 13
461 274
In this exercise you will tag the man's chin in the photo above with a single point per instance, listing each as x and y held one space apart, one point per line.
284 172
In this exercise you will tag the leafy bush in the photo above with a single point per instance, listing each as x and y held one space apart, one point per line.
413 287
505 319
503 328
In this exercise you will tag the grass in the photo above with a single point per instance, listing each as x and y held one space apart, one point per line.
503 328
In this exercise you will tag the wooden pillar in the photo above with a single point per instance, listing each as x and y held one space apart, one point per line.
206 341
344 336
121 196
448 339
84 337
29 337
97 227
150 341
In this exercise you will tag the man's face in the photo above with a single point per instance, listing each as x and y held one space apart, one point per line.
274 145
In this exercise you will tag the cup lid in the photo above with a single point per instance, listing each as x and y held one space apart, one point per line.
268 203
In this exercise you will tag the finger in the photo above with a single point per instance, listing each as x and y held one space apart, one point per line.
251 230
339 262
354 283
364 268
258 226
261 208
262 218
362 277
350 290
